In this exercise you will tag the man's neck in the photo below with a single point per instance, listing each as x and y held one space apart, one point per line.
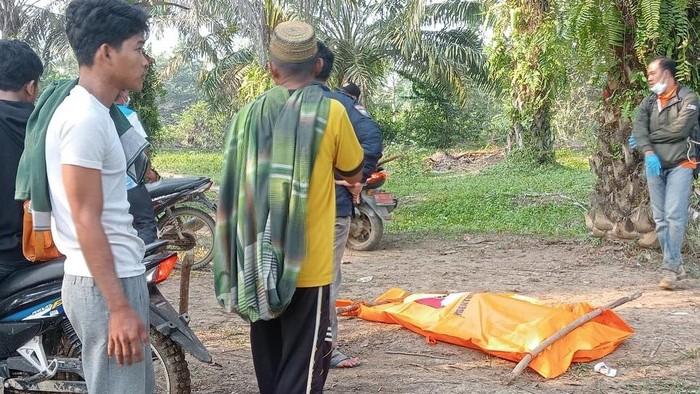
10 96
95 83
295 82
672 86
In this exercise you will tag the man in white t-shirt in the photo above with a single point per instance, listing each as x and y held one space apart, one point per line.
105 294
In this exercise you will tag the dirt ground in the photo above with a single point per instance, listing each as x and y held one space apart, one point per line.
466 161
663 356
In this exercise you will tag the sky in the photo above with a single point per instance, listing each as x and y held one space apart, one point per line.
163 41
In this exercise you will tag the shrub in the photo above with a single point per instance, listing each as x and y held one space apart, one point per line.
198 127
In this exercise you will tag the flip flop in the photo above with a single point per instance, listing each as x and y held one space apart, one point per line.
337 357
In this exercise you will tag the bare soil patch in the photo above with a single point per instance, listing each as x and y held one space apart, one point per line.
663 356
468 161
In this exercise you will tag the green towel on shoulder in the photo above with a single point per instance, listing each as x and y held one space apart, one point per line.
32 182
261 238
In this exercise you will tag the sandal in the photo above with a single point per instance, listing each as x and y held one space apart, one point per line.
340 360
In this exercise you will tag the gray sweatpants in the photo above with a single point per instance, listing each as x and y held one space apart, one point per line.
87 312
342 229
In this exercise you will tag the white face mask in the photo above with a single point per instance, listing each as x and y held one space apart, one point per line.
659 87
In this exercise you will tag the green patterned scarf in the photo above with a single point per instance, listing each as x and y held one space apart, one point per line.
260 232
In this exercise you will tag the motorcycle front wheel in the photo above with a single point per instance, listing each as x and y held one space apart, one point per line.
189 228
366 230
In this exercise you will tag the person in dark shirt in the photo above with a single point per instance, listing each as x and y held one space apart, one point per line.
20 69
370 138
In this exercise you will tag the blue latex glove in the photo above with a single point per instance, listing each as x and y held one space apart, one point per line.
633 142
653 164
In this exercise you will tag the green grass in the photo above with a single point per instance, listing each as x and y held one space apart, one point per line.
190 163
502 198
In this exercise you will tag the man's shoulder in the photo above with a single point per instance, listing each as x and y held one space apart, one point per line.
74 113
685 92
352 107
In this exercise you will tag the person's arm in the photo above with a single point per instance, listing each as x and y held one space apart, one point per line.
640 127
151 174
127 333
353 177
349 157
370 138
686 120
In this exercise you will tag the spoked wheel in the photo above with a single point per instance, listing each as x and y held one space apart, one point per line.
189 228
172 374
366 230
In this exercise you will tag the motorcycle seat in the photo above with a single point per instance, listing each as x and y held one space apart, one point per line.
32 276
165 187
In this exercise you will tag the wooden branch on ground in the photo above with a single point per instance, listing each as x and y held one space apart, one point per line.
559 195
570 327
656 349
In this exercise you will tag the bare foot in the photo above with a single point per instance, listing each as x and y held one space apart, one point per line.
340 360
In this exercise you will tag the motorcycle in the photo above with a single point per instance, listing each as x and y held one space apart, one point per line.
40 351
181 208
374 209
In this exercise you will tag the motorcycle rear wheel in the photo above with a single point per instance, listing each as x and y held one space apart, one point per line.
169 365
189 228
366 230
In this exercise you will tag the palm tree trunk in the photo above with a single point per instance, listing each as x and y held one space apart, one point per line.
620 199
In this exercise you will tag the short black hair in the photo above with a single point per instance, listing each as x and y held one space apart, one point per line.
351 89
304 68
328 58
19 65
666 64
91 23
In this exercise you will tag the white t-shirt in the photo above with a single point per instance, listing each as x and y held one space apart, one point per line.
82 133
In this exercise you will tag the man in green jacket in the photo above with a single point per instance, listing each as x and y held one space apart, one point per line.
662 130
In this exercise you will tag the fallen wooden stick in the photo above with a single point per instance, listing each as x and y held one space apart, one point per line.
656 350
570 327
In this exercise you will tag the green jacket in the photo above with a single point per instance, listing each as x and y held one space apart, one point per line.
667 131
32 182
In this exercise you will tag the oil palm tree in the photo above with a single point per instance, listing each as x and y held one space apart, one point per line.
615 39
526 58
42 27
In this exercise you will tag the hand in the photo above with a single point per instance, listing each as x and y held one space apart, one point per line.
355 191
152 175
127 336
653 164
633 142
341 182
